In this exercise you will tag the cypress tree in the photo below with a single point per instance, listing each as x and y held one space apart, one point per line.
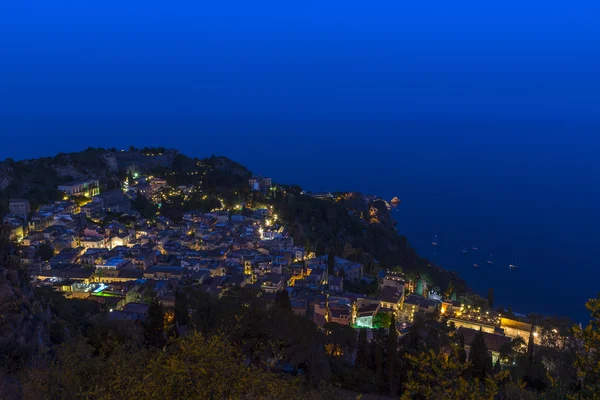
362 352
379 353
490 297
489 368
154 325
182 316
462 353
478 356
497 367
282 298
392 350
530 377
330 263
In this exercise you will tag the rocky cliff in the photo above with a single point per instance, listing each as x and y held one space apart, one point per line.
22 326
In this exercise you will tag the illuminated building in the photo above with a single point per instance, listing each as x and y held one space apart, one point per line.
88 188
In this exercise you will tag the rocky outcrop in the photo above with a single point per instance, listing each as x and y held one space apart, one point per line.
22 327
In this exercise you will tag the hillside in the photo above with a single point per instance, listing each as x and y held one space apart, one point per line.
359 228
351 225
37 179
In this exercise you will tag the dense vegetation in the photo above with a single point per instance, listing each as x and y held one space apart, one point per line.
236 346
37 179
348 228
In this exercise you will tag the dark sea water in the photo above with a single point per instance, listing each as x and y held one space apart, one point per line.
525 192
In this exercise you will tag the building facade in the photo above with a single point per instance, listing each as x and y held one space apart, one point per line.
88 188
19 208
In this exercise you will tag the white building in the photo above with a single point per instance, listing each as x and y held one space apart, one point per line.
88 188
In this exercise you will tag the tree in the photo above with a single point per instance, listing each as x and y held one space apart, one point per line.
497 367
282 299
330 263
392 350
195 367
130 179
154 325
340 340
530 357
478 356
44 251
462 353
490 297
362 352
436 376
382 320
378 345
182 316
449 290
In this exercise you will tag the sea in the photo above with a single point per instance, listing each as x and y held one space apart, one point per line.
522 193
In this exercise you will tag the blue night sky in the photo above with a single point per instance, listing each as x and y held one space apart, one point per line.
481 115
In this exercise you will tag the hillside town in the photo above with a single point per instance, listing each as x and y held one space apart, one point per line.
74 247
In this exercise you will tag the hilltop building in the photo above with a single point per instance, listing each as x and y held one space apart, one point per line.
258 183
19 208
88 188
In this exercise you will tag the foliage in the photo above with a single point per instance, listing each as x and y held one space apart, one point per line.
369 289
436 376
182 316
71 317
392 351
154 325
344 227
194 367
145 207
382 320
37 180
490 297
44 251
478 356
587 360
362 352
474 300
462 353
282 299
330 263
340 340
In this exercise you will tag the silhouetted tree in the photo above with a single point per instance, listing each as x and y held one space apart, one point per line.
378 344
497 367
362 352
182 316
130 179
282 299
330 263
478 356
587 360
154 325
531 377
462 353
44 251
392 350
490 297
